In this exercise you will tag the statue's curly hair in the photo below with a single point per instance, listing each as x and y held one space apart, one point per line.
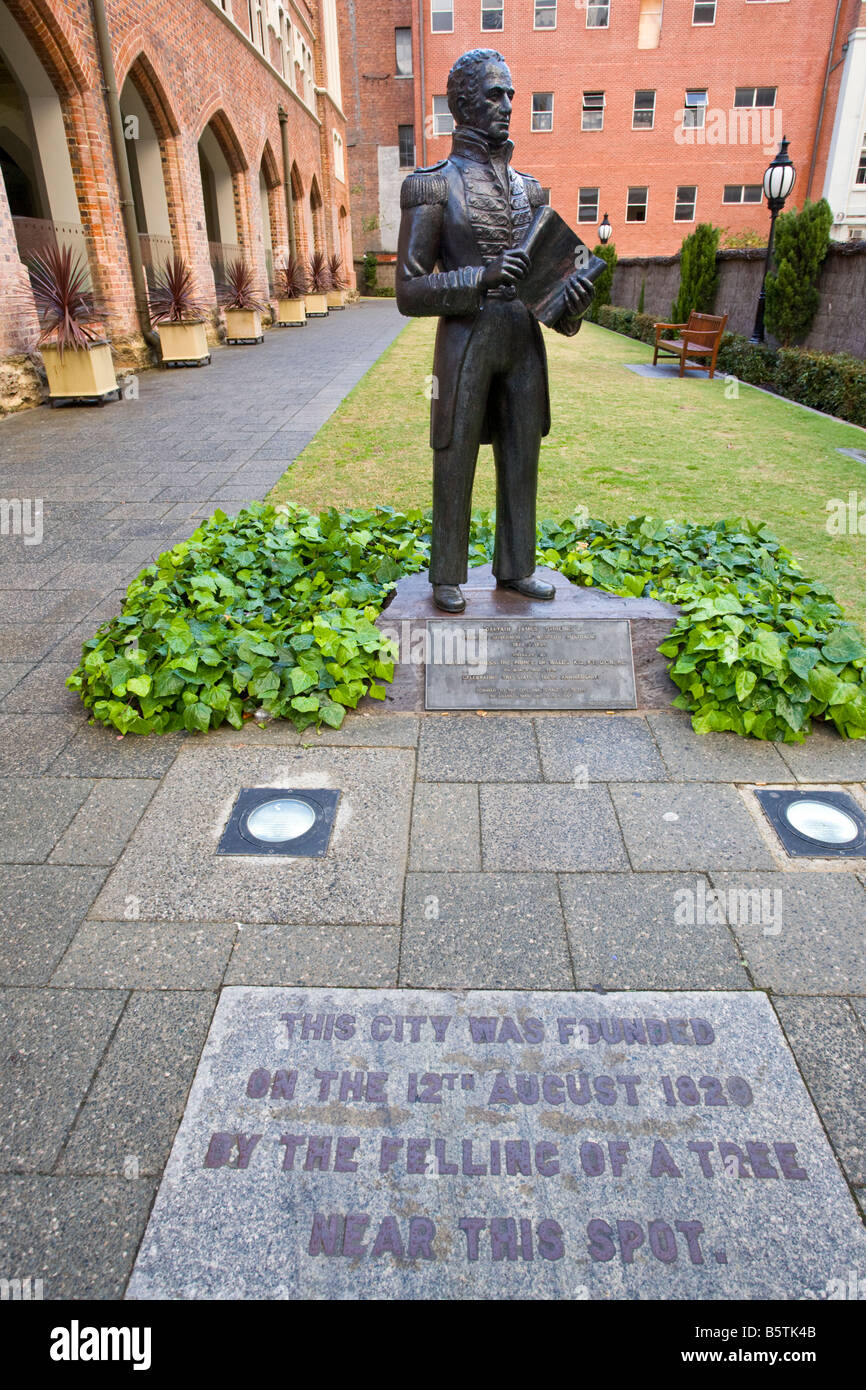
464 80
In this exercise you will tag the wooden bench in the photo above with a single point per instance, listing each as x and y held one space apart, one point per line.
701 337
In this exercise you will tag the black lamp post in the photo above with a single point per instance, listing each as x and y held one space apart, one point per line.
778 182
604 231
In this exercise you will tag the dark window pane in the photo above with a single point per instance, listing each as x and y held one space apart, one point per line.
406 139
403 47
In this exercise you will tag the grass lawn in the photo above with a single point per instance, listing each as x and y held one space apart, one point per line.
621 444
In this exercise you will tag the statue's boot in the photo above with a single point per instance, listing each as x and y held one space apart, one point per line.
530 587
449 598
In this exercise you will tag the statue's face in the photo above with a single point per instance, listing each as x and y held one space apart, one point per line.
492 110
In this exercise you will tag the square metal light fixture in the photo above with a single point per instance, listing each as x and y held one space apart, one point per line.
280 820
816 824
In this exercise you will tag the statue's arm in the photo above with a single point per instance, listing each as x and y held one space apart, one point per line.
421 289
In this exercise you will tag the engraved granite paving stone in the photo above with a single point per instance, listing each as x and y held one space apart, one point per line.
380 1144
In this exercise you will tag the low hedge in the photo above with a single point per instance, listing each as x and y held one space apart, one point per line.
833 382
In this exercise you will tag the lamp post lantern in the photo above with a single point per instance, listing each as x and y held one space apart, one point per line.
778 181
604 231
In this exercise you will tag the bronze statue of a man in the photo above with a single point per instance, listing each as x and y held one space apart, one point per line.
467 216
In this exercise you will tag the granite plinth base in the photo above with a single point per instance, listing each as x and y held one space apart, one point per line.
412 605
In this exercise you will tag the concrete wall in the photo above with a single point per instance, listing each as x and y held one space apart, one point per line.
840 323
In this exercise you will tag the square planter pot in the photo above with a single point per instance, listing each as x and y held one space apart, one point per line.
82 374
291 311
183 344
336 299
317 305
244 326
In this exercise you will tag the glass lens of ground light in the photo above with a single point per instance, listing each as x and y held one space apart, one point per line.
819 821
281 820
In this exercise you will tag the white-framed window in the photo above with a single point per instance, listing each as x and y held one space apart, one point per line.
587 205
406 144
636 205
704 12
592 116
492 14
755 96
542 110
695 109
441 16
860 176
644 113
684 207
598 15
403 51
443 121
339 160
743 193
545 14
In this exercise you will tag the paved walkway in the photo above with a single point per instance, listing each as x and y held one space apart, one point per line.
460 863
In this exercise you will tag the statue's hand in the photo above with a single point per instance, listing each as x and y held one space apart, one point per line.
507 269
579 294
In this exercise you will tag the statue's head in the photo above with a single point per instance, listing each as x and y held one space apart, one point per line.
480 93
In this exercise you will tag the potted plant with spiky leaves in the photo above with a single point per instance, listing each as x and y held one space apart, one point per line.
339 282
320 283
77 356
178 317
291 286
242 308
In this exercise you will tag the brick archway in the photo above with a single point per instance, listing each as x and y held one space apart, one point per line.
144 77
77 82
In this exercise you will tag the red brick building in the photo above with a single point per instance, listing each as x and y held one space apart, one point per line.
214 94
659 114
379 101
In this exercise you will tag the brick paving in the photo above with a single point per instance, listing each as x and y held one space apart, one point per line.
118 926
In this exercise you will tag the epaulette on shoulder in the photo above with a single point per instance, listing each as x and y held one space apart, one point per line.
424 186
534 191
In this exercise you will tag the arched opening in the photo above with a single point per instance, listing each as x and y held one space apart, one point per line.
269 211
145 156
345 243
298 214
317 217
221 166
34 153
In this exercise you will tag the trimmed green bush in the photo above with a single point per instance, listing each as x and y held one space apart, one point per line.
629 322
801 243
275 609
605 280
371 272
699 275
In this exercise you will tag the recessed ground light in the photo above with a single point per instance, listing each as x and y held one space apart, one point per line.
820 825
280 820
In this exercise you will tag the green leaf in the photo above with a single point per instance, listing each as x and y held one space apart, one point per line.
842 646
